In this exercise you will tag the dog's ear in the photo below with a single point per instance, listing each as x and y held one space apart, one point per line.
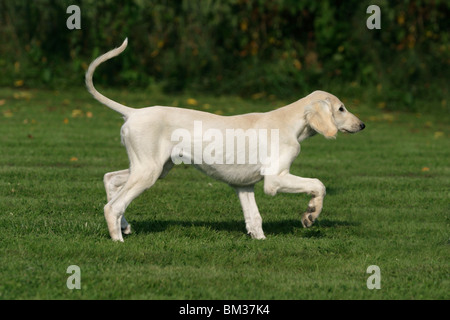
319 117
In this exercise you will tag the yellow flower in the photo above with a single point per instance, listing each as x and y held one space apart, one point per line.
244 25
77 113
438 134
191 102
18 83
258 95
7 114
22 95
297 64
388 117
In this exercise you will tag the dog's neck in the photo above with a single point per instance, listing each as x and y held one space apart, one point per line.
306 133
293 117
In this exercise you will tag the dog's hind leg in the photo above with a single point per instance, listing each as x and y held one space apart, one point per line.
140 179
114 181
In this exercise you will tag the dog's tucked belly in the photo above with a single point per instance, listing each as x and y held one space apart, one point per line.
235 174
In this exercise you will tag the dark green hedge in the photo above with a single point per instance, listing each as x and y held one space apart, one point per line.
238 46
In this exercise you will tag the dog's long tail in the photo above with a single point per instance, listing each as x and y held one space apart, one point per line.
124 110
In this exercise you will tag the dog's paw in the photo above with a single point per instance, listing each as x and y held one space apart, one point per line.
257 235
126 230
307 220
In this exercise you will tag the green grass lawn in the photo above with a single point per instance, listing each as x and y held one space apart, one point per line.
387 204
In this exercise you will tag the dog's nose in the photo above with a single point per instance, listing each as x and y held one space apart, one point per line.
362 126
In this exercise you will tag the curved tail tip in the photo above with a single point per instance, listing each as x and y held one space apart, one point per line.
125 42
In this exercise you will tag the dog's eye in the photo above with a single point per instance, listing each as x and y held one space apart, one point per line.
341 109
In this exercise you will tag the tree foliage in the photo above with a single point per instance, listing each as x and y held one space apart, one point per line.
239 46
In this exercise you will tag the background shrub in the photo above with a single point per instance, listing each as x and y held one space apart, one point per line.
281 47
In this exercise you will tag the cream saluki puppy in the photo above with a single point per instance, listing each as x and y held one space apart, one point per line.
148 135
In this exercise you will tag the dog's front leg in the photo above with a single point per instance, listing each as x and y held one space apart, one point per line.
253 220
289 183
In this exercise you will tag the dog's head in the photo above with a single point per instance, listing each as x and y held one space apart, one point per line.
327 115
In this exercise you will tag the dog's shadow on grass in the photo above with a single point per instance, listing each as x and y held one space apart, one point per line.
291 226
